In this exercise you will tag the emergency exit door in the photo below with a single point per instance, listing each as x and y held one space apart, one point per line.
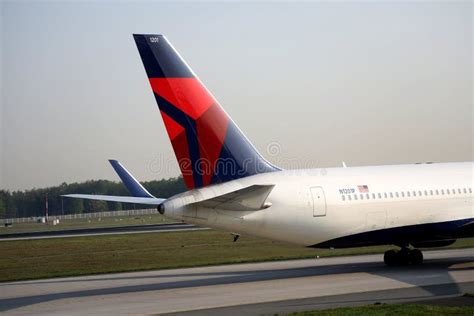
319 201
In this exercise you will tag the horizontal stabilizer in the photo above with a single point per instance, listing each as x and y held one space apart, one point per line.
122 199
251 198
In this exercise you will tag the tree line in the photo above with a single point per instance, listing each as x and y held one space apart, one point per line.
32 203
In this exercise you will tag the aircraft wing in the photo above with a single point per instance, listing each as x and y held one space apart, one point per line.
251 198
123 199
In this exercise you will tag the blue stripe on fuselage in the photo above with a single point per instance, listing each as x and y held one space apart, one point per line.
404 235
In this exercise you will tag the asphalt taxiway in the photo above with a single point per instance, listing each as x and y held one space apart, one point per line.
133 229
255 288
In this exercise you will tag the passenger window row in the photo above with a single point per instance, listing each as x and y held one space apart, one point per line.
405 194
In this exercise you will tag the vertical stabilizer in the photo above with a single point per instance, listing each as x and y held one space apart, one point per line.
208 145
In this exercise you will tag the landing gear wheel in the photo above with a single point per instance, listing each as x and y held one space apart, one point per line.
416 256
391 258
403 257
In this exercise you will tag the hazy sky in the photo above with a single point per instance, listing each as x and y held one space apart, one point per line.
367 83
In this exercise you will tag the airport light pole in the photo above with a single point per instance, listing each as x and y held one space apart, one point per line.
46 208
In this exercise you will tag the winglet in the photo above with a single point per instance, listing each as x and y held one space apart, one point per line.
132 185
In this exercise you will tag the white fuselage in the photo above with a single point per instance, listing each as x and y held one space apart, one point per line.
312 206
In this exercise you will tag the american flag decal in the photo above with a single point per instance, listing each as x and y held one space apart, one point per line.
363 188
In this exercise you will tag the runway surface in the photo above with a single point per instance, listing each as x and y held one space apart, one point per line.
256 288
135 229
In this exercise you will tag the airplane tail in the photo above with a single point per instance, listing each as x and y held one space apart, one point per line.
208 145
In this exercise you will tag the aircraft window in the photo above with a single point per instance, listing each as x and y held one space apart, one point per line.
380 195
343 197
361 196
437 192
426 192
459 191
391 194
408 193
414 193
385 195
396 194
470 190
355 196
465 191
349 197
419 193
431 192
442 191
367 196
403 194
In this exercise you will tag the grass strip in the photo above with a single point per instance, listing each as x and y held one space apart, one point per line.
395 310
58 257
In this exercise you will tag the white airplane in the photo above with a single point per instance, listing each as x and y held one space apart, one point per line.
232 187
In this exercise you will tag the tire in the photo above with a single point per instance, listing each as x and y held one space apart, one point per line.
391 258
416 256
404 257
